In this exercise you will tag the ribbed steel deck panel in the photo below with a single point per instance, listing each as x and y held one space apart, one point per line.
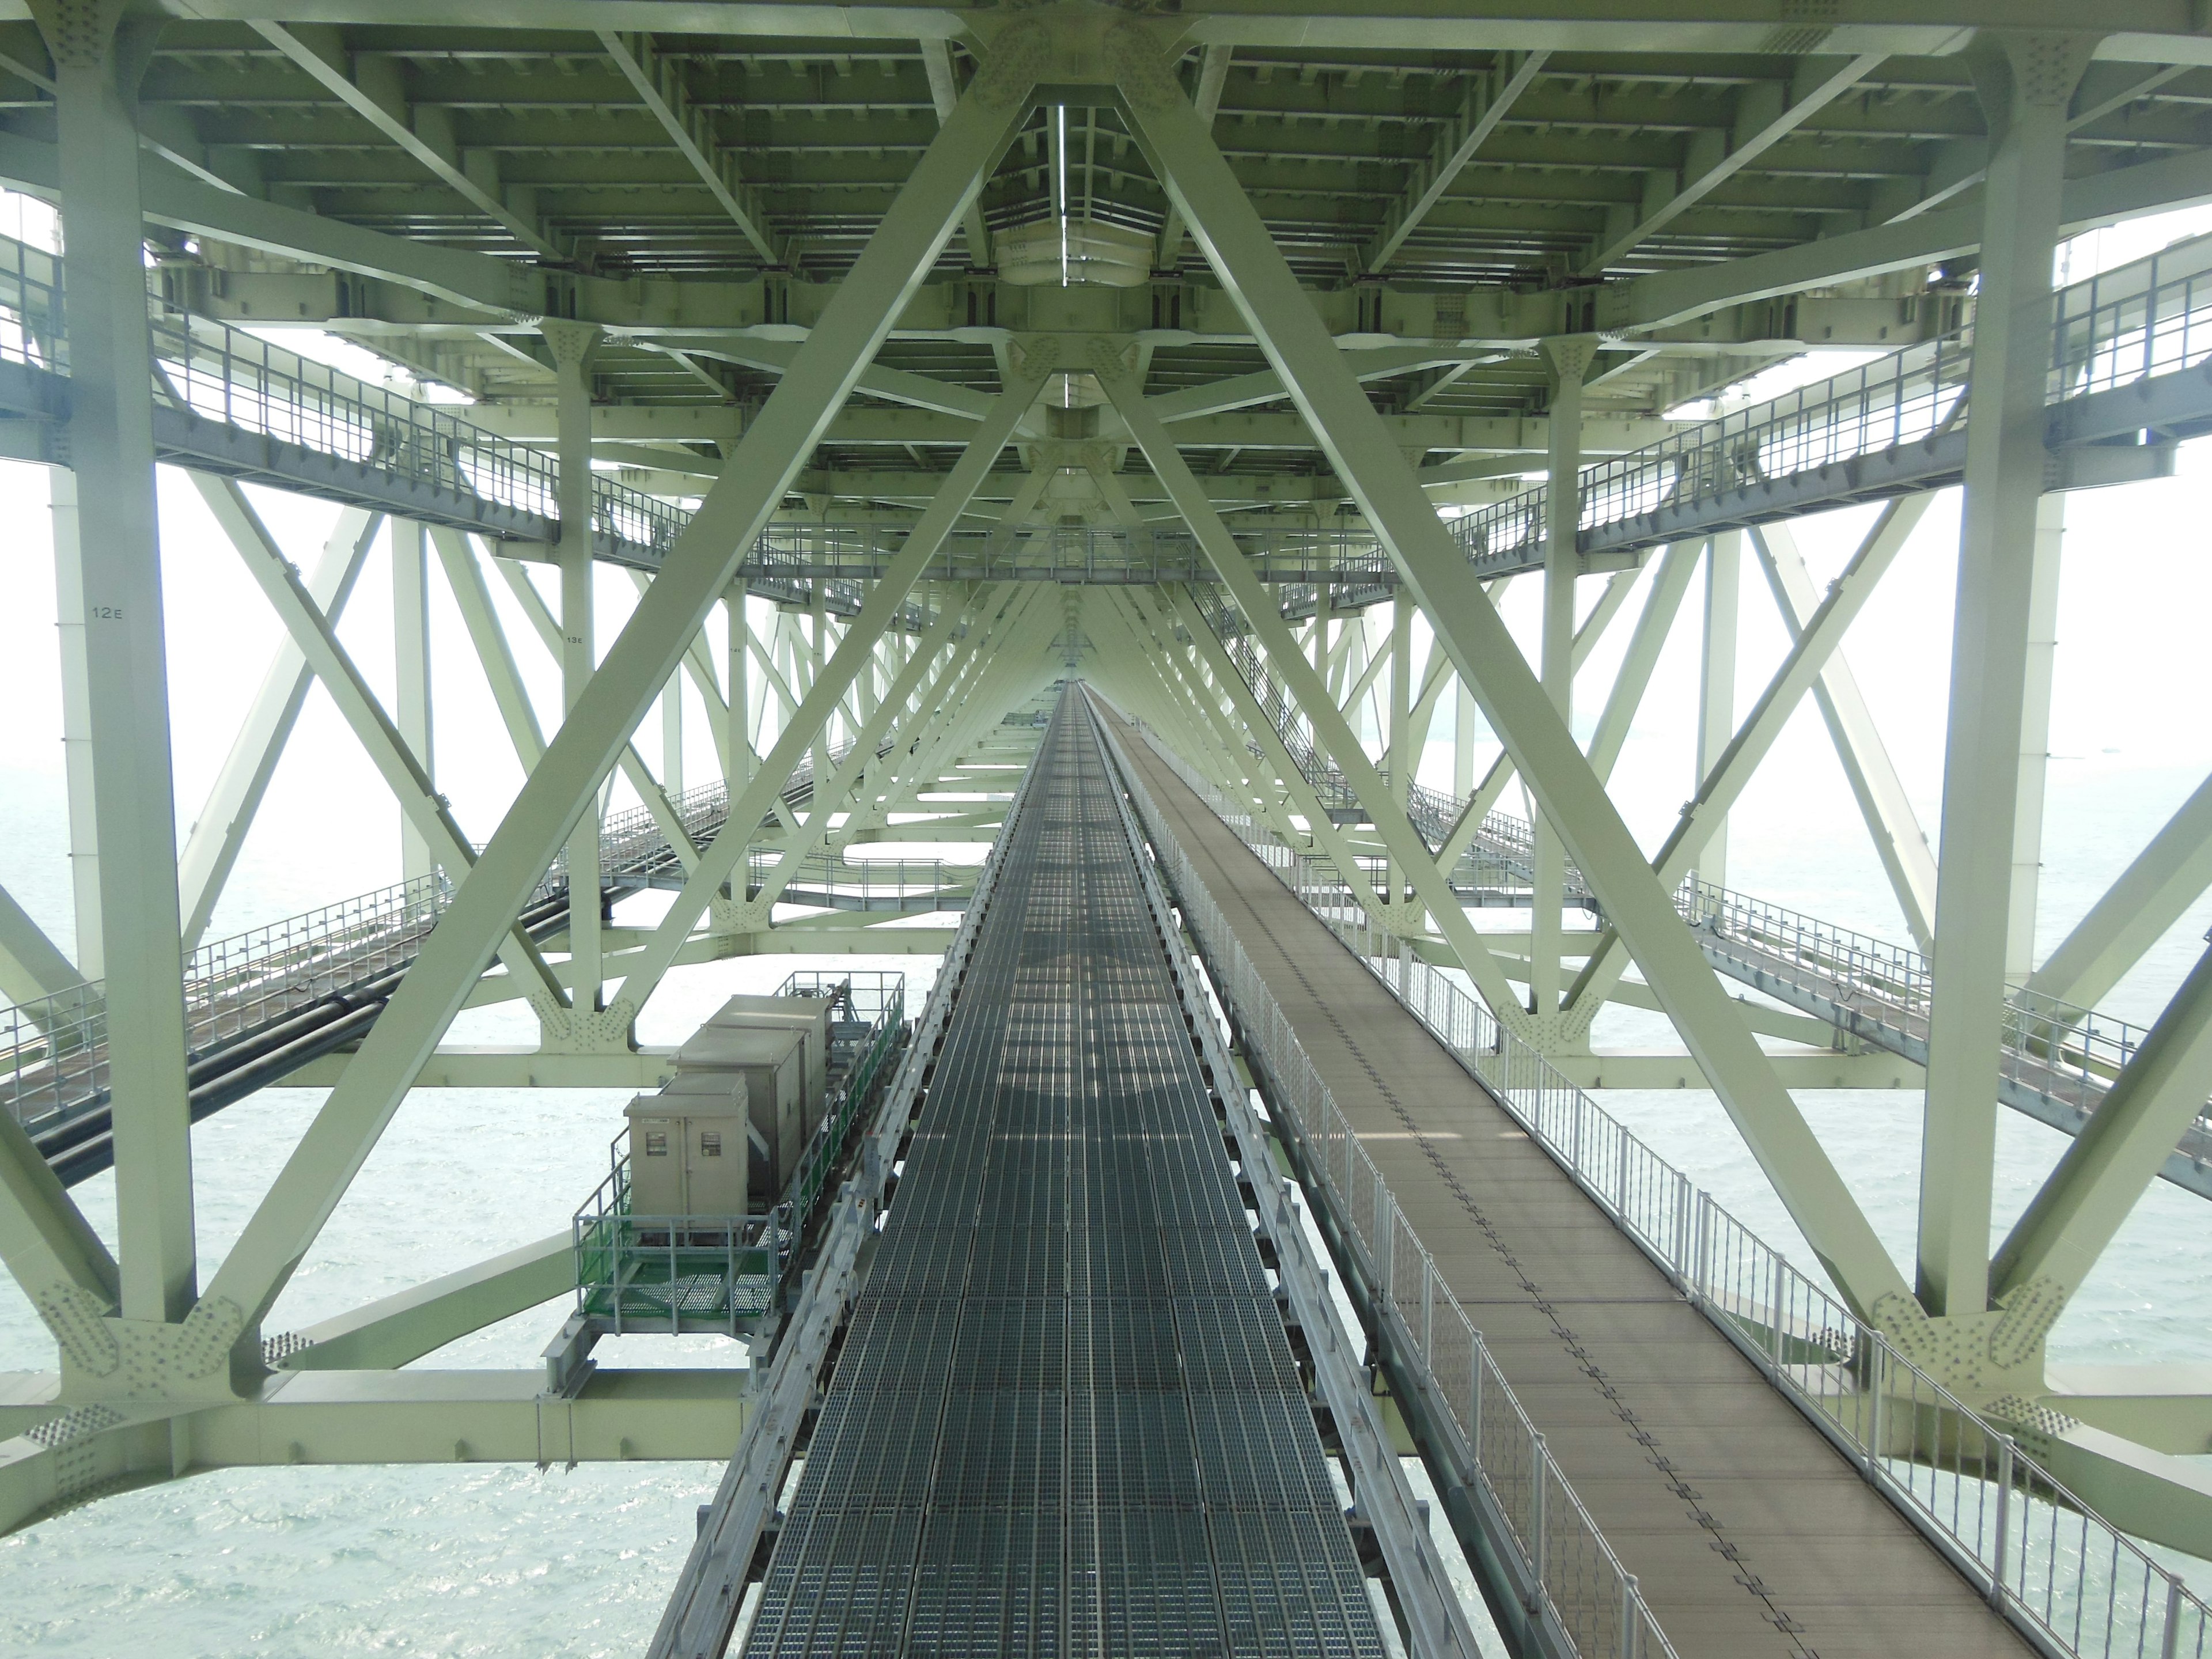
1065 1419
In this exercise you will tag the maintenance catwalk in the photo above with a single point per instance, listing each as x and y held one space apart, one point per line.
1066 1419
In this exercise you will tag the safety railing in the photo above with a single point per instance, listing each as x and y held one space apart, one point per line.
34 328
862 884
53 1051
1091 554
690 1272
1882 405
2064 1054
1574 1578
227 375
2145 319
2073 1583
2123 327
867 1026
674 1273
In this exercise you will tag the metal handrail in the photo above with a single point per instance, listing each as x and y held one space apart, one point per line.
2047 1561
1898 399
1572 1573
2063 1052
2120 328
53 1050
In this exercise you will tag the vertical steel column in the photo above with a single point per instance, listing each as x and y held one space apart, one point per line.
77 720
672 736
1716 685
2034 736
737 728
573 346
1403 762
1566 359
2025 81
410 650
857 317
818 642
118 586
218 834
1462 740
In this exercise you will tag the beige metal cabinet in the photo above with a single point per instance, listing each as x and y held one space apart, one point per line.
773 1063
689 1152
809 1016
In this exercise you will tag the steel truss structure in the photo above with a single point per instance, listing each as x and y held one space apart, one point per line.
912 359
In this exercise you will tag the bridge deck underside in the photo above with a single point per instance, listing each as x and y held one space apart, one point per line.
1066 1419
1750 1534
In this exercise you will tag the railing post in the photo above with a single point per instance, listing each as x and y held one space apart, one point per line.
1632 1611
1775 1292
1539 1461
2004 1521
1428 1313
1876 1428
1478 1356
2169 1646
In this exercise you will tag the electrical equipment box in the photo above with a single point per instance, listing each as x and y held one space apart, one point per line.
772 1061
688 1152
809 1016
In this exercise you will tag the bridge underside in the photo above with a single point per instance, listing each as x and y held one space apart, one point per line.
912 365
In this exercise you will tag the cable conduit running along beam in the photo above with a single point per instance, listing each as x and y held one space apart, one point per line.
2073 1585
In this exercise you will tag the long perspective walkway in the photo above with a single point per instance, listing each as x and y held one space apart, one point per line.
1748 1531
1066 1419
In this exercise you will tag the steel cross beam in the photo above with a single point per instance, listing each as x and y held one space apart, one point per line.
1487 99
1320 827
472 594
659 86
212 847
387 751
831 791
1755 739
806 728
1353 436
2162 881
969 708
2106 1167
1484 796
1890 819
32 966
924 723
696 572
1331 734
1678 565
1767 113
49 1247
666 818
370 86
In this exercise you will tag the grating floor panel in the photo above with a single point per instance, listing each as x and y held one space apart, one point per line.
1066 1420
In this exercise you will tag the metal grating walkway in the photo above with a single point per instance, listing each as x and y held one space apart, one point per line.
1066 1420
